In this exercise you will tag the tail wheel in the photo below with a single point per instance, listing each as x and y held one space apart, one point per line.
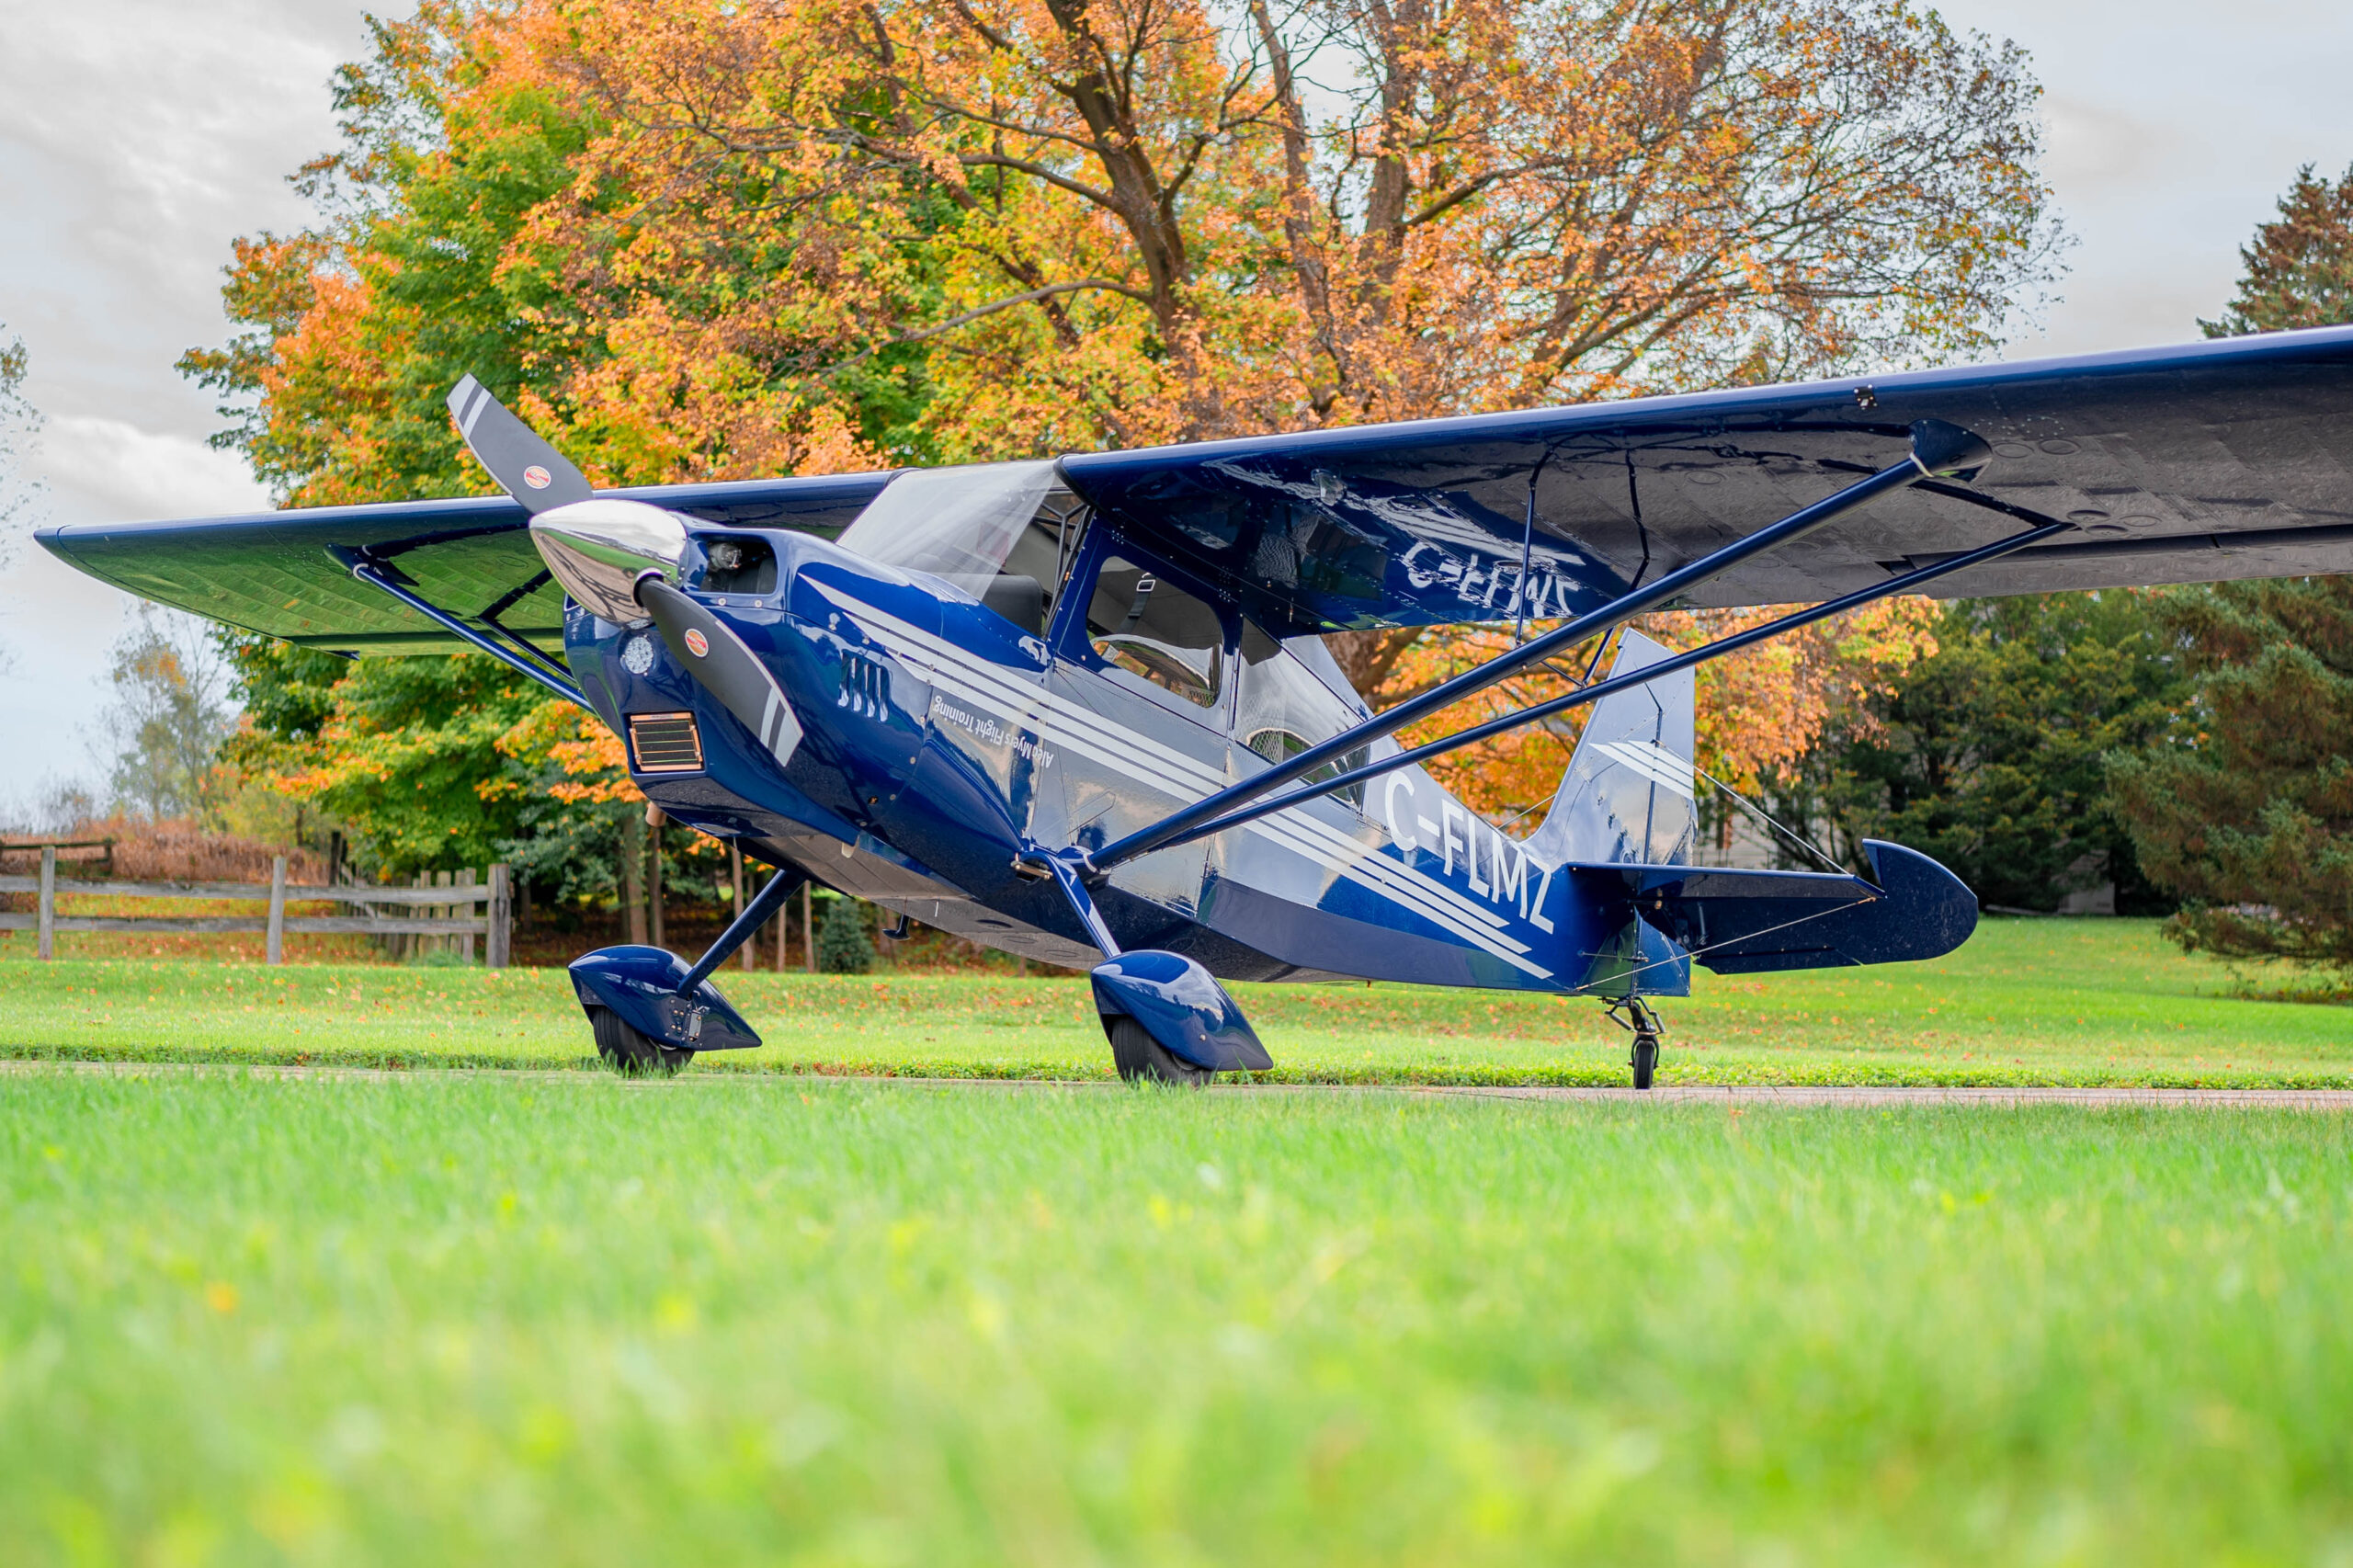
627 1050
1635 1014
1144 1060
1645 1059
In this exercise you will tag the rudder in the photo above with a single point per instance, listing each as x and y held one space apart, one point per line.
1627 797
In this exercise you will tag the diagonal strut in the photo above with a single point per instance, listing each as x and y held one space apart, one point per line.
1937 448
1599 690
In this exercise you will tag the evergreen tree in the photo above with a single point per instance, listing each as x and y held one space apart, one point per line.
2298 269
2247 810
1989 755
844 946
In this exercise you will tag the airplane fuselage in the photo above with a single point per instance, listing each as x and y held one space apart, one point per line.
941 743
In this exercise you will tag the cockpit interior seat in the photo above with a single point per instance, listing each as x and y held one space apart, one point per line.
1019 599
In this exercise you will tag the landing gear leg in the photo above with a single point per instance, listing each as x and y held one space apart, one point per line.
1647 1029
651 1012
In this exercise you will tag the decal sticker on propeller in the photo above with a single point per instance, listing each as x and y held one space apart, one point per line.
537 477
697 644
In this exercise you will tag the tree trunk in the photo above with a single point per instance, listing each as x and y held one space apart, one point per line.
1368 657
654 883
735 869
633 875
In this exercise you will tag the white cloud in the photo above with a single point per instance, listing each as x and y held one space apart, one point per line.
138 473
2099 146
174 124
2174 127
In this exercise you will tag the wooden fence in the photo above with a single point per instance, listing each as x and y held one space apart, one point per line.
385 912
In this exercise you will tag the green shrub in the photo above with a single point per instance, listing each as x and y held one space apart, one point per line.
844 946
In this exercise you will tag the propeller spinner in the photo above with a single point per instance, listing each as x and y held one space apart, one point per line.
620 559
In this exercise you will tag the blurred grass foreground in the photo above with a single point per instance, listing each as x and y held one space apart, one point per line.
442 1318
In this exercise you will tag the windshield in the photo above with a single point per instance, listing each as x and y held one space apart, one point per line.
957 523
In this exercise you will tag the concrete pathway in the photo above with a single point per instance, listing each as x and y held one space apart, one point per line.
2298 1100
1727 1095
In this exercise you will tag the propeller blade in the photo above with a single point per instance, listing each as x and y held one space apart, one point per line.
532 471
719 659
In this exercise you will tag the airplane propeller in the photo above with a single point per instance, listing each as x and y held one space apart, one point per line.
529 469
725 666
616 558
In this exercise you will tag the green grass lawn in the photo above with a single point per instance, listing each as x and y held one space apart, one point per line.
454 1319
2024 1002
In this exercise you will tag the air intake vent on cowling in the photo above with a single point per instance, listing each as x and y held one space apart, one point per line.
665 742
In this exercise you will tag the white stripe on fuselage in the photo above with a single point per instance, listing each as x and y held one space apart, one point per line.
1170 772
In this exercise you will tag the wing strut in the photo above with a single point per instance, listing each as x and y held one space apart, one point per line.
374 574
1937 448
1595 692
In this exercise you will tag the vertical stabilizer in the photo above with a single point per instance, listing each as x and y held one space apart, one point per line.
1627 797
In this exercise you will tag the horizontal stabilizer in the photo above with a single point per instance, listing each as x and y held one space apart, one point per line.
1743 922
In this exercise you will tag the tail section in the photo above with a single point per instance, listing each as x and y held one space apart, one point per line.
1623 828
1627 797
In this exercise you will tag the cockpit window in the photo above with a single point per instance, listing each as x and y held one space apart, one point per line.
1283 709
1153 630
1005 533
1027 585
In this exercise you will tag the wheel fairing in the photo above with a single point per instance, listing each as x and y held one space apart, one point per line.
640 985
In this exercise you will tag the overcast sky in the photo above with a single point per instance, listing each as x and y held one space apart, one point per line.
137 137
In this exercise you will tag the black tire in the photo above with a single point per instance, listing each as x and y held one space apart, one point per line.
627 1050
1144 1060
1645 1060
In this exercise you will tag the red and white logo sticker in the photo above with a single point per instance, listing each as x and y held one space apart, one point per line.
697 644
537 477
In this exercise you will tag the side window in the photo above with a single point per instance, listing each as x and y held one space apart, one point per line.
1156 631
1282 709
1026 585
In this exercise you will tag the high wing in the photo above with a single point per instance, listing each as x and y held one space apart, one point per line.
2229 459
288 573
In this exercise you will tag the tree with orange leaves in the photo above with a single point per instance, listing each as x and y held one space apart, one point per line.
713 238
1758 712
1132 221
708 238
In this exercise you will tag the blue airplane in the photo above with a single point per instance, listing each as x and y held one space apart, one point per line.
1080 709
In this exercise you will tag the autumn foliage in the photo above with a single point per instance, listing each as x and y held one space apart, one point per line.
704 238
1757 713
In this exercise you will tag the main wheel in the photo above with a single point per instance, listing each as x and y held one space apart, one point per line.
1645 1059
1144 1060
626 1050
